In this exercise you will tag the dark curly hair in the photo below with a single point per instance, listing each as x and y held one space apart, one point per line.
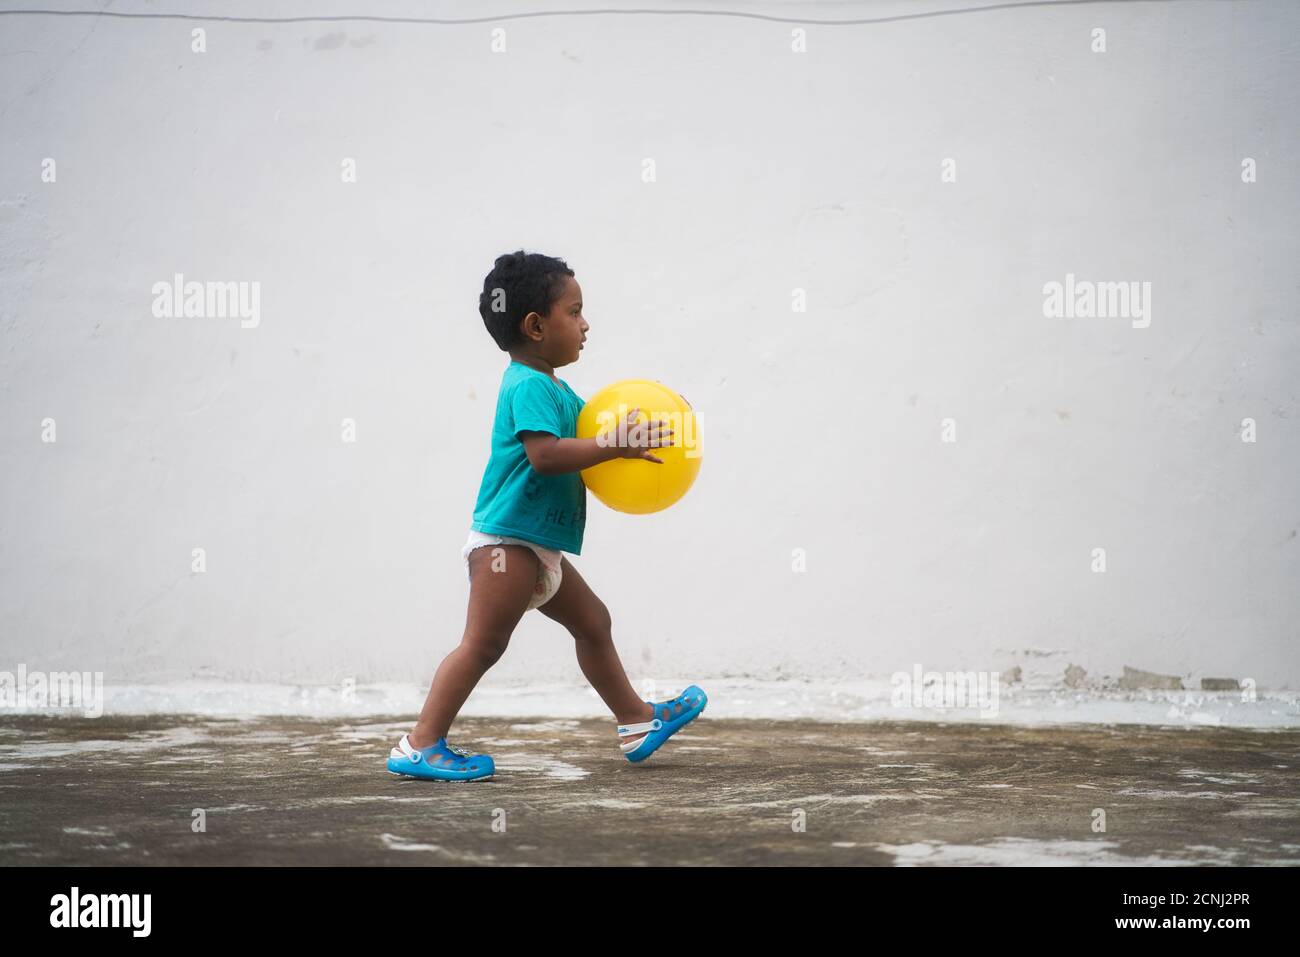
518 284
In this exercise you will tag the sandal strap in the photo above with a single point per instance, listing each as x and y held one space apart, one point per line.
625 729
406 748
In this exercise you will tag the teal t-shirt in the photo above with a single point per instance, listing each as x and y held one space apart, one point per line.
513 499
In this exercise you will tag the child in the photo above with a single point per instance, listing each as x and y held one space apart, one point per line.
531 507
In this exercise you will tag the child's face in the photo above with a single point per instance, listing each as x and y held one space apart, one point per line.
566 330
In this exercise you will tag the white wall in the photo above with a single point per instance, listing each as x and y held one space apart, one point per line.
775 171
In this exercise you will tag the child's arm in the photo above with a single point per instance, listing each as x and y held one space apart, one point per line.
551 455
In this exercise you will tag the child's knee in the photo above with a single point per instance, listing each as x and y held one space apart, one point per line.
595 624
488 648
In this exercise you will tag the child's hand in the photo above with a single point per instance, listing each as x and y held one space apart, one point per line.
643 436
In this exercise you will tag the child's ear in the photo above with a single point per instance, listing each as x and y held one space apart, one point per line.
532 323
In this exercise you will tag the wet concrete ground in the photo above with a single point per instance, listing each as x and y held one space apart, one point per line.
127 791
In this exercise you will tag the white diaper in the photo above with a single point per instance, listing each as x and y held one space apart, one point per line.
549 570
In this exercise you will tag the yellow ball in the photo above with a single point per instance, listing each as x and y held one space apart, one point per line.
637 485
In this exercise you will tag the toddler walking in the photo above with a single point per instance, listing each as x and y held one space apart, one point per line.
531 508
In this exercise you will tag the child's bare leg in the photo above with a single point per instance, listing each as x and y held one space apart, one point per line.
577 608
501 584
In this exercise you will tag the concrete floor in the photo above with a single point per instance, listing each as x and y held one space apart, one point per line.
124 790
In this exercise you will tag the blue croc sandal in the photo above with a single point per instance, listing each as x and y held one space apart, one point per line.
438 762
670 717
